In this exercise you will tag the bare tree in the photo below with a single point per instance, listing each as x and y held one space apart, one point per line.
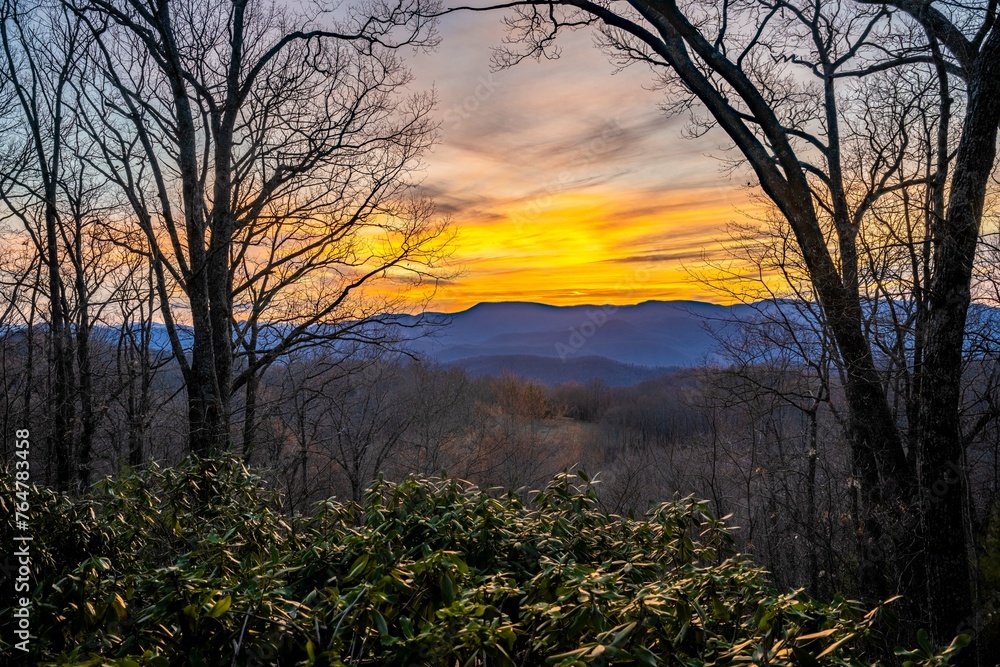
20 274
254 146
48 190
136 361
442 409
778 78
297 282
347 419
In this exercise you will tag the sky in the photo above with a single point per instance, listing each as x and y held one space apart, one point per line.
565 182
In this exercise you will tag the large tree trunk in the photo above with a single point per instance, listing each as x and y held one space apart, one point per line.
208 381
222 220
62 401
892 492
878 459
208 408
61 398
943 491
88 418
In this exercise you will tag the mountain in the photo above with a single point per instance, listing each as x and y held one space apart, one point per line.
620 344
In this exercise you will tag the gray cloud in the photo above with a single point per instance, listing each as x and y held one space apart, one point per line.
680 256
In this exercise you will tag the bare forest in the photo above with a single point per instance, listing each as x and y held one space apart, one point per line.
211 222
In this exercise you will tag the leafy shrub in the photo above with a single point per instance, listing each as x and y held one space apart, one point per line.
197 565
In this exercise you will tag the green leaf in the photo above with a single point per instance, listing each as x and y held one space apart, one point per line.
380 624
311 651
925 642
720 610
358 567
816 635
220 607
447 589
834 646
644 656
623 634
119 606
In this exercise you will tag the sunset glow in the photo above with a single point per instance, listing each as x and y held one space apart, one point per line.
616 247
565 183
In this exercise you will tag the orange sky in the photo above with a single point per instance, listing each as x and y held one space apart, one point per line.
565 183
576 247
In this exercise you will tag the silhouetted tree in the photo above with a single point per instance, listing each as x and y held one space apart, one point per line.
779 78
259 152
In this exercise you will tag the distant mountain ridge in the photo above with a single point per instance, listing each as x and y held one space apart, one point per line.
652 333
618 344
621 344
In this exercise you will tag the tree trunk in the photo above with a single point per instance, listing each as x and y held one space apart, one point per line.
250 414
88 424
941 456
61 399
208 404
208 409
812 527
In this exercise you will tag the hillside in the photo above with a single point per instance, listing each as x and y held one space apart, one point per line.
552 371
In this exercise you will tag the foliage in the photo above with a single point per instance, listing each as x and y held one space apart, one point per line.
197 564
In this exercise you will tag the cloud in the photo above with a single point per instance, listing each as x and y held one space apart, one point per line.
682 256
563 180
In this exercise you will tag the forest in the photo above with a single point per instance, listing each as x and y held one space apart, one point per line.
219 448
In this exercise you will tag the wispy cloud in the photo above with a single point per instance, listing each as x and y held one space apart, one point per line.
563 180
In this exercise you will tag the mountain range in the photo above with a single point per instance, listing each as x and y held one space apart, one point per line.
618 344
621 345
